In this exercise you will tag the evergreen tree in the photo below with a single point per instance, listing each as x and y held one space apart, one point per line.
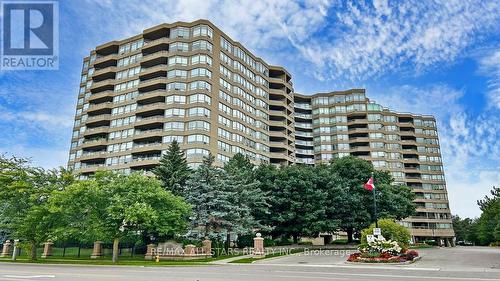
488 224
173 170
245 195
210 200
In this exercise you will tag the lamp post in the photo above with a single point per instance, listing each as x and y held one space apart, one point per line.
374 202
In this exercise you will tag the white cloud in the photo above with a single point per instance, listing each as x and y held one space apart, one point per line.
343 40
396 35
259 25
470 145
489 65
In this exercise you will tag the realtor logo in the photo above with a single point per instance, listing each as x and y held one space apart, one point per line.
30 33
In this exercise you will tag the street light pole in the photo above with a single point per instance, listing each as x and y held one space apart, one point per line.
374 202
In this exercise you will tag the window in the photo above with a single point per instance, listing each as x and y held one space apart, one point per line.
222 158
169 139
202 45
175 99
174 126
224 146
123 109
225 84
224 71
178 60
224 108
225 44
129 60
223 133
199 98
120 147
199 125
176 86
130 47
202 30
177 73
198 139
122 121
203 72
200 152
179 47
201 59
126 85
198 111
378 154
174 112
200 85
126 97
224 121
179 32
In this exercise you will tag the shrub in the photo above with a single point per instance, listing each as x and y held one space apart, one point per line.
339 242
370 255
283 242
431 242
495 244
381 246
390 230
245 241
269 242
309 243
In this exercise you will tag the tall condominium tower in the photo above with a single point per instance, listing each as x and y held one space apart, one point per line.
192 83
338 124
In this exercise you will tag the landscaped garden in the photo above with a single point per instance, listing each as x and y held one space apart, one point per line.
389 247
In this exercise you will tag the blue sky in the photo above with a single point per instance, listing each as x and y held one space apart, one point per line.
429 57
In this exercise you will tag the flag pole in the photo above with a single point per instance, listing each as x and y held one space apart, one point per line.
374 203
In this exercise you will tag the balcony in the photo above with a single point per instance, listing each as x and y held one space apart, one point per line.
305 106
93 155
303 116
309 161
304 151
100 106
305 143
303 134
150 107
97 130
303 125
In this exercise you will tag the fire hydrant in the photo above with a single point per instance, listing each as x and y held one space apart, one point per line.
157 258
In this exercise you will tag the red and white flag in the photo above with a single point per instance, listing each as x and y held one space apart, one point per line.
369 184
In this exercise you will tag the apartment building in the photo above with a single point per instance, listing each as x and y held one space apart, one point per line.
193 83
338 124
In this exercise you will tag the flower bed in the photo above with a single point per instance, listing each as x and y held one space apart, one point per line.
382 251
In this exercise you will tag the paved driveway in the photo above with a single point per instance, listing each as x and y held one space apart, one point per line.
444 259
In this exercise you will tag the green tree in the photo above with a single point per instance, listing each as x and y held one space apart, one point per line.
117 207
488 224
244 194
393 201
211 203
353 205
24 196
173 170
464 229
298 206
391 230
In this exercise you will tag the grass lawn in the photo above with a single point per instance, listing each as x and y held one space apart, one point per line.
277 254
137 261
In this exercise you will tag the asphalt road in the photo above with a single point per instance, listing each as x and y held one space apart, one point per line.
476 264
